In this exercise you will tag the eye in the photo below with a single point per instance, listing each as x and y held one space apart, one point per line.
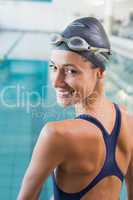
70 71
52 67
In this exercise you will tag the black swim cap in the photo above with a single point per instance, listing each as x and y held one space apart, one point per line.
92 31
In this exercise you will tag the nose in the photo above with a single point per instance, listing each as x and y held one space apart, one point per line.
58 79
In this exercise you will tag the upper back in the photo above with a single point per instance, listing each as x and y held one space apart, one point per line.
89 155
85 140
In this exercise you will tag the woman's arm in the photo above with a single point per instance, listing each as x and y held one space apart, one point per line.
48 153
129 176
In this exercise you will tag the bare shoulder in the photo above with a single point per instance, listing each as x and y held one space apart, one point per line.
72 129
52 130
74 136
71 125
58 131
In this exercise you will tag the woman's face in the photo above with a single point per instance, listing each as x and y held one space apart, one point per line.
72 77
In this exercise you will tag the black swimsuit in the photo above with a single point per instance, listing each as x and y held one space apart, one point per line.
110 167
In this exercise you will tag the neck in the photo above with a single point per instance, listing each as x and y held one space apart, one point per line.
95 109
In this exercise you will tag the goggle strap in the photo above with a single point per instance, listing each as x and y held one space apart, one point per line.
99 50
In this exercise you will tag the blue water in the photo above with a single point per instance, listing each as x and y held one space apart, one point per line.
21 124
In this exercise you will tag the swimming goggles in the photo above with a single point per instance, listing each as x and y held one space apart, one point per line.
77 43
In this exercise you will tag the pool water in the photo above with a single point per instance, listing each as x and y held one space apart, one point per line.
23 113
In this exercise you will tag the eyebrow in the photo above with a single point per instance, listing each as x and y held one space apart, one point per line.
64 65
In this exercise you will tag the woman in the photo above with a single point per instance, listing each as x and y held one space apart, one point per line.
92 153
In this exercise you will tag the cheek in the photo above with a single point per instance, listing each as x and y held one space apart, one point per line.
89 85
77 83
73 82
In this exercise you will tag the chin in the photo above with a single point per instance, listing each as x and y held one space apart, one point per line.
64 103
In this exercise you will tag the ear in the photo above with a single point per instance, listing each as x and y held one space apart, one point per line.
100 73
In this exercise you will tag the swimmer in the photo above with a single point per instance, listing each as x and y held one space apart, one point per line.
88 156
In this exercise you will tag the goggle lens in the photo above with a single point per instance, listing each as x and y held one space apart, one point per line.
76 42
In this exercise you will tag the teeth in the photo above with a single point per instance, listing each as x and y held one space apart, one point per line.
66 93
63 92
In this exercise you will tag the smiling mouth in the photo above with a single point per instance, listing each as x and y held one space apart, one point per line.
65 94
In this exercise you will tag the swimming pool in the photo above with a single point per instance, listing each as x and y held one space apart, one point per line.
27 103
